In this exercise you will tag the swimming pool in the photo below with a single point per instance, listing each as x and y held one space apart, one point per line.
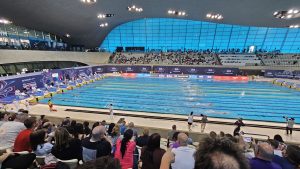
249 100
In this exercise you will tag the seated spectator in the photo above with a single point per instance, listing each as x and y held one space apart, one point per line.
131 126
38 143
152 153
123 127
78 131
219 153
71 128
105 162
184 155
110 128
263 157
290 159
96 146
66 147
276 147
175 143
115 135
170 134
86 129
125 149
16 161
10 130
22 142
143 140
278 138
95 125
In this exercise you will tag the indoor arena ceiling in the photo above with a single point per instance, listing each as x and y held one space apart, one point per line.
80 20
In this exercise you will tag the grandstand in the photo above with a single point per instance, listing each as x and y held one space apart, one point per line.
149 84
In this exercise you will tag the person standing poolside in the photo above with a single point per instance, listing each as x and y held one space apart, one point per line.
289 125
111 111
239 123
203 122
190 120
50 104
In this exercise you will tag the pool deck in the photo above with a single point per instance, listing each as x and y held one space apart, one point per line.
165 121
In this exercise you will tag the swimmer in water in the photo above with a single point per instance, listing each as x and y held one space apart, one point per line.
214 112
204 104
243 93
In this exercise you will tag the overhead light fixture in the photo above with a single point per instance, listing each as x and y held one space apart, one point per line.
5 21
215 16
288 14
67 35
102 25
26 32
177 13
294 26
88 1
134 8
102 16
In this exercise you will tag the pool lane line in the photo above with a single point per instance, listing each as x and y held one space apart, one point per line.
199 108
179 119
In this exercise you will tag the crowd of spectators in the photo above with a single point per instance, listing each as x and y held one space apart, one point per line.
275 59
24 139
179 58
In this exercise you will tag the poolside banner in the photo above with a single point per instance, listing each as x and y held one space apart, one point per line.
8 85
196 70
127 69
98 69
297 74
279 74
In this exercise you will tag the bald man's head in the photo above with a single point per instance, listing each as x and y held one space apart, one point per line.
97 133
182 139
264 151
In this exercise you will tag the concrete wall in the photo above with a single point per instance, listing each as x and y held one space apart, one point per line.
90 58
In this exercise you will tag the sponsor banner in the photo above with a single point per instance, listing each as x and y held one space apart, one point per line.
131 75
127 69
230 78
143 75
8 86
98 69
196 70
278 74
297 74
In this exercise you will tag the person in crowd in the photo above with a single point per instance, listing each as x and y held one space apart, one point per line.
95 125
170 134
115 135
183 152
86 129
190 120
123 127
278 138
16 161
38 143
131 126
239 123
78 131
222 134
66 122
66 147
190 140
290 122
203 122
213 134
50 104
275 144
71 127
3 118
110 128
22 142
41 121
125 149
143 140
151 154
105 162
97 145
174 143
290 157
263 157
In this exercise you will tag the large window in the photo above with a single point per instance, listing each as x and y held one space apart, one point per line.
166 33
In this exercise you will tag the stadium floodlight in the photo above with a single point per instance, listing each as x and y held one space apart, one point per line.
134 8
5 21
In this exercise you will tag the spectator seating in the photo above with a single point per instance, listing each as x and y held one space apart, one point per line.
168 58
270 59
239 60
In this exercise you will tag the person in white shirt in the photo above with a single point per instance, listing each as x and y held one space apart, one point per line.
16 104
289 125
190 120
111 111
184 155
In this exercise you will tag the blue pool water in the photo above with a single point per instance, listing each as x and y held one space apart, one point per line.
252 100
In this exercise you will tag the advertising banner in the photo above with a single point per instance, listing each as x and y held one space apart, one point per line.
279 74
